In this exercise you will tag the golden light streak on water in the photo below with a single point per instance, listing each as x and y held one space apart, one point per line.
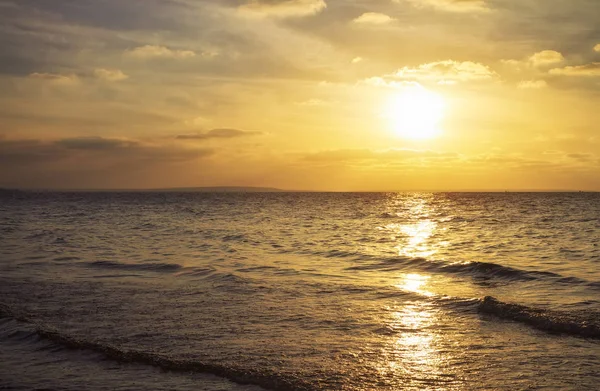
416 239
416 283
414 235
413 352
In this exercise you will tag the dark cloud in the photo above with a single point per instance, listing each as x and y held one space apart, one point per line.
218 133
96 143
42 36
23 152
65 36
92 162
91 149
110 14
570 27
285 8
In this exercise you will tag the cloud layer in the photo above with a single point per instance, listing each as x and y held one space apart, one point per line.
452 5
284 8
218 134
154 51
590 70
373 18
164 92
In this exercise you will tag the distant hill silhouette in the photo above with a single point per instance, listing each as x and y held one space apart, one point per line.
221 189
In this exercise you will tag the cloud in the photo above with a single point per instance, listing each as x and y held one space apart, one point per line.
513 63
404 158
153 51
111 75
545 58
373 18
532 84
366 155
283 8
451 5
95 143
597 48
90 148
91 162
582 157
542 59
445 72
356 60
590 70
218 133
378 81
55 78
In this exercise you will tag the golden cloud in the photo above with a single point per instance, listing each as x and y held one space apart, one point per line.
452 5
373 18
592 69
545 58
446 72
283 9
55 78
153 51
111 75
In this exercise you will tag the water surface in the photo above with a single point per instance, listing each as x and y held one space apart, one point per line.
300 291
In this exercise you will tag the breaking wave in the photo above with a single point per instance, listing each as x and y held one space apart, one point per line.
263 377
579 323
484 270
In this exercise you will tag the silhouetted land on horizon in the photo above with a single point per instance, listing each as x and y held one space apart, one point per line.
221 189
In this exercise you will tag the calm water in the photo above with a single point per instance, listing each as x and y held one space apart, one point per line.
300 291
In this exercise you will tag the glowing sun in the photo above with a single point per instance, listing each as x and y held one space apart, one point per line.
416 113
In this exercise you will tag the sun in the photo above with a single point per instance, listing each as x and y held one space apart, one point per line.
415 113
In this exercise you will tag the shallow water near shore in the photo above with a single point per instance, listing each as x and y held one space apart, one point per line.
300 291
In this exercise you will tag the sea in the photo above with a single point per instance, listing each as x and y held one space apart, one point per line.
299 291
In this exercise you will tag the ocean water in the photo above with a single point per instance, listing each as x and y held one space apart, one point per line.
300 291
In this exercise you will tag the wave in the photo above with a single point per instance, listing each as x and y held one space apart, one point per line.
39 234
484 270
156 267
583 324
66 259
260 376
197 271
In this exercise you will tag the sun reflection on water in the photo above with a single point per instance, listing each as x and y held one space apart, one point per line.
413 236
414 353
414 282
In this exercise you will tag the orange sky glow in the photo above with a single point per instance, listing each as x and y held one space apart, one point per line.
332 95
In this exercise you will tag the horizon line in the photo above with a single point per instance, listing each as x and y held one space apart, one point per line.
261 189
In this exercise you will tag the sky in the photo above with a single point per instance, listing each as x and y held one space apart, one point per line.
331 95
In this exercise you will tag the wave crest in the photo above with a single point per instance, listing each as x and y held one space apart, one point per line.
485 270
573 323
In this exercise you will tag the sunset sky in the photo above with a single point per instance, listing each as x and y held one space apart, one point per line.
300 94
